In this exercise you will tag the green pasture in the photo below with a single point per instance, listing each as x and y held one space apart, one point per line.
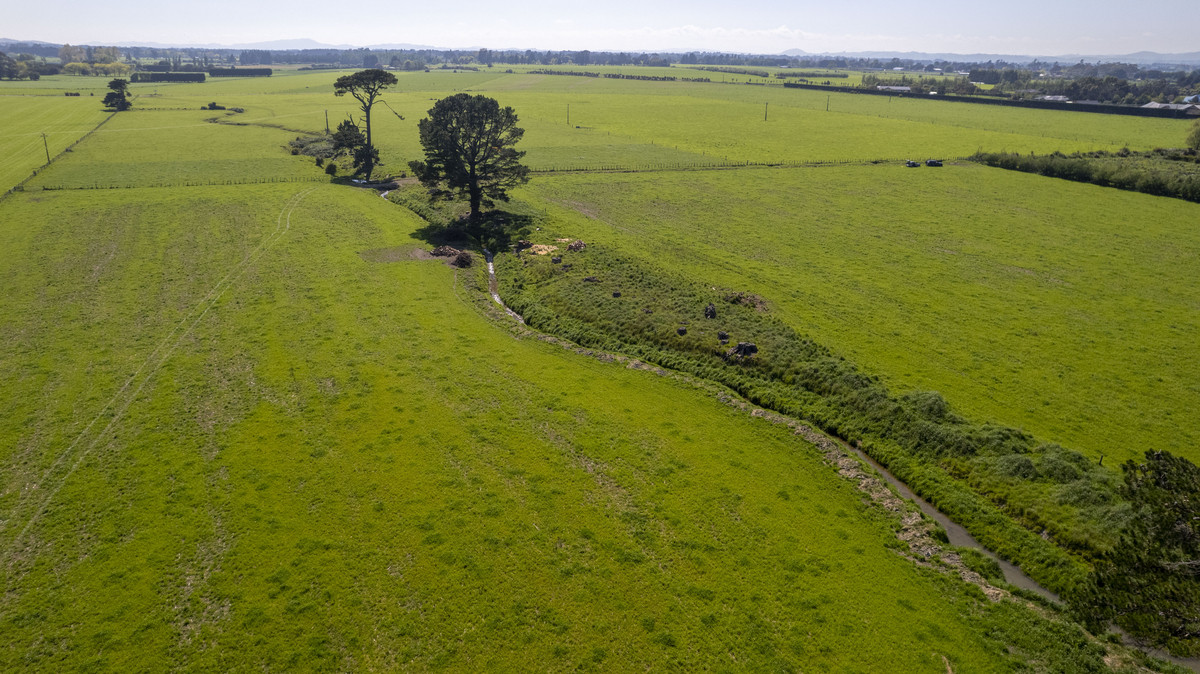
1061 308
715 122
175 147
232 437
63 121
255 449
168 140
637 124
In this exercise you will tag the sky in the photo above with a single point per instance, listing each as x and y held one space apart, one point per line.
1019 27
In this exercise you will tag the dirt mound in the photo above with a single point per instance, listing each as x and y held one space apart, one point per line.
445 251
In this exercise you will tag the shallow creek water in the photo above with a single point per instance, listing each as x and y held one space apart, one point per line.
1013 575
957 534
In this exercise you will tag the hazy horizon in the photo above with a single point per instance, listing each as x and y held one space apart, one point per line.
1022 27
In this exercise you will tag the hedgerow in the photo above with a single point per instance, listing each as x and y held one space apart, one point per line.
1164 173
167 77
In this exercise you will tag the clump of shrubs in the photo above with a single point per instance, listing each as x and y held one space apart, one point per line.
463 259
314 146
1016 465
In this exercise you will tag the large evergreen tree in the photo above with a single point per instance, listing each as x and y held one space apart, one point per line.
468 150
118 98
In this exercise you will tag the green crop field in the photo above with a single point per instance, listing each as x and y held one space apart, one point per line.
248 424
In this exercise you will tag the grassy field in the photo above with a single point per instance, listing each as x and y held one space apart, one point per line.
1048 311
620 122
62 120
128 152
231 438
251 450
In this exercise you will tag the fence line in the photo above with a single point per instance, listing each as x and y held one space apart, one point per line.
597 168
190 183
20 187
702 165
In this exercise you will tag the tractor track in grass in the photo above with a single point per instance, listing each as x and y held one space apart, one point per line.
37 497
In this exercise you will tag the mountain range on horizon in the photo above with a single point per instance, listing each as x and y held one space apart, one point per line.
1139 58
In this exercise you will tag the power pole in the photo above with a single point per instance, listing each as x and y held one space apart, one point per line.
826 103
326 122
765 105
568 114
47 146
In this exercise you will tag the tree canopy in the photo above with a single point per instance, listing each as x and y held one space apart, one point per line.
1149 584
468 142
118 98
9 69
366 86
348 139
1193 139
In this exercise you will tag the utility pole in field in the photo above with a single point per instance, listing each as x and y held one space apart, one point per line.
47 146
765 105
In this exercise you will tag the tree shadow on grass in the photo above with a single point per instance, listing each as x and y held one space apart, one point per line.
496 231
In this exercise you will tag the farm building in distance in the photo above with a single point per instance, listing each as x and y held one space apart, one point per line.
1187 108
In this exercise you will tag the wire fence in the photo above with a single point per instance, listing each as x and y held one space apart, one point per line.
190 183
646 167
20 187
720 164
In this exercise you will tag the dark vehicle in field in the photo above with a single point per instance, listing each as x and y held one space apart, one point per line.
933 162
911 164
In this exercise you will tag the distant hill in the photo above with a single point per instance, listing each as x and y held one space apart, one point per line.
1139 58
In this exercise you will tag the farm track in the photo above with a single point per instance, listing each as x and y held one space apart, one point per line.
37 497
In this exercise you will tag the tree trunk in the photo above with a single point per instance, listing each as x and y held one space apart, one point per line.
476 195
476 199
370 165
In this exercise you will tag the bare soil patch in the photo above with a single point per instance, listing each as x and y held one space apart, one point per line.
395 254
